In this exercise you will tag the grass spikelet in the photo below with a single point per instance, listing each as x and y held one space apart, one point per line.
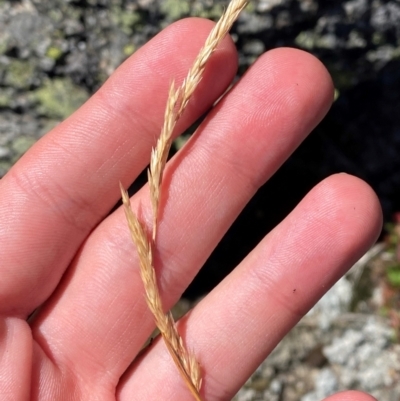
178 99
186 362
159 154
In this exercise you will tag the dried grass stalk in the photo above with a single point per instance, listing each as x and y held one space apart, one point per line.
177 102
186 362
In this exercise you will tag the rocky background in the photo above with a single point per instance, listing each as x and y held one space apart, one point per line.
55 54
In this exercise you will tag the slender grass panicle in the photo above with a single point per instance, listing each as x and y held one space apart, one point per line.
178 99
187 364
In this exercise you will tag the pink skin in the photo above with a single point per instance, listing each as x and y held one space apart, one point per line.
58 248
350 396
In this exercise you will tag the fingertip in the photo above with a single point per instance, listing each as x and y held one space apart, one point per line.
355 203
198 30
287 92
351 395
325 235
310 84
172 51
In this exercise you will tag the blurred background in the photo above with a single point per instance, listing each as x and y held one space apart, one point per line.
55 54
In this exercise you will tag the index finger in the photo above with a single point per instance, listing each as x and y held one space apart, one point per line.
68 181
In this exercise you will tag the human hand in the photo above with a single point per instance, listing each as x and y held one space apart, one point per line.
60 248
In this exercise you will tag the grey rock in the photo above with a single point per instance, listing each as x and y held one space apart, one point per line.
366 358
246 395
29 32
254 47
356 9
326 384
5 152
335 302
386 16
253 23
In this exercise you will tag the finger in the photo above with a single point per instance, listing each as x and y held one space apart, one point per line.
66 184
15 359
351 396
247 136
237 325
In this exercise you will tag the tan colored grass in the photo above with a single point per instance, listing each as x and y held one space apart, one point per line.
186 362
177 102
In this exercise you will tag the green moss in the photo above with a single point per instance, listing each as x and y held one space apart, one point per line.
127 20
378 39
305 40
66 12
6 95
129 49
213 13
180 141
175 9
396 53
20 145
102 76
54 52
4 167
19 74
251 7
393 275
342 78
59 98
310 40
55 14
3 44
